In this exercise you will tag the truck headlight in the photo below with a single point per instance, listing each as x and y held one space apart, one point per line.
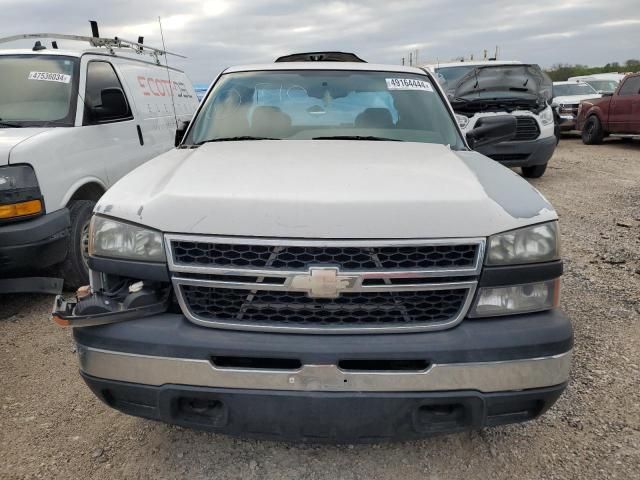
538 243
19 192
527 298
115 239
546 116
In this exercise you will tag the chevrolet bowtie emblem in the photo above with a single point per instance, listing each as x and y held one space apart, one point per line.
323 282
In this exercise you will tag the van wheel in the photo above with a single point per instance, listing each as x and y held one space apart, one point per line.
75 269
592 133
534 171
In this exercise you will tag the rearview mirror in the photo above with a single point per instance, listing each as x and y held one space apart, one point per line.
113 105
180 131
490 130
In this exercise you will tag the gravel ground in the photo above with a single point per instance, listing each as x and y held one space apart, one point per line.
51 426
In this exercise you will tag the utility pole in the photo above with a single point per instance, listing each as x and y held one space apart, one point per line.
410 59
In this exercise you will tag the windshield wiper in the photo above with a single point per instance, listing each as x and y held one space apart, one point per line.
358 137
236 139
9 124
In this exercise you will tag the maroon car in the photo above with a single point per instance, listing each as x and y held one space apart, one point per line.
614 114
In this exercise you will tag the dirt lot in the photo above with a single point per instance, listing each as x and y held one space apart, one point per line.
51 426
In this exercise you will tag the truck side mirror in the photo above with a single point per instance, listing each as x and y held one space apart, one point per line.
180 131
113 105
490 130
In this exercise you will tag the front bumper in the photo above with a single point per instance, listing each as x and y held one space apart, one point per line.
30 247
521 154
480 373
567 122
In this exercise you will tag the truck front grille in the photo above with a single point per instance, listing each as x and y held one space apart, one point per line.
526 129
333 286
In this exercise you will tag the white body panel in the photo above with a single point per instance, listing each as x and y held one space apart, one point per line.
328 189
66 158
571 99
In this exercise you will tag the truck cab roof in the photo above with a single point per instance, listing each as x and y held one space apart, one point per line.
357 66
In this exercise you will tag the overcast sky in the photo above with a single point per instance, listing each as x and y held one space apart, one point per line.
218 33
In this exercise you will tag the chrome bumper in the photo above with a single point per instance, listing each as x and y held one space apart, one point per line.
482 376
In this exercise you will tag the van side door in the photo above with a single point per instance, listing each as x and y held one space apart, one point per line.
108 121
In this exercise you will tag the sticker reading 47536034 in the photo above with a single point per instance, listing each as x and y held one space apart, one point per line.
49 77
408 84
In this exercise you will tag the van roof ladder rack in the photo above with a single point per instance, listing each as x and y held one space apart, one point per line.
112 44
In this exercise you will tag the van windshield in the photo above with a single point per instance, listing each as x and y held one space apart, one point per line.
37 90
319 104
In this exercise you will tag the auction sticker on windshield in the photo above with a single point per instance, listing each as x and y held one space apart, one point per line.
408 84
49 77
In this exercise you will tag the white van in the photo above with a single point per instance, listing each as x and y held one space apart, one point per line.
484 89
71 124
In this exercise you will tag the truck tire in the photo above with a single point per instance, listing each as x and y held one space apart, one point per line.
75 270
592 132
534 171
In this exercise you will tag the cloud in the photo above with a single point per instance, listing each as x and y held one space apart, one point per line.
218 33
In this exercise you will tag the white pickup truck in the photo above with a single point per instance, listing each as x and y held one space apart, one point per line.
72 123
324 258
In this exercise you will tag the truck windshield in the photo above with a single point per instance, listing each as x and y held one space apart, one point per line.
318 104
569 89
37 90
605 86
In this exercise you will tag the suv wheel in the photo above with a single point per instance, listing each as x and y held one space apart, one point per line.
592 133
75 269
534 171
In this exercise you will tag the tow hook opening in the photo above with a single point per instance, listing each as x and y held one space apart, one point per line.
125 300
200 410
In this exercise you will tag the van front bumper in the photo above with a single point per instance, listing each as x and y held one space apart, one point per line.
30 247
480 373
521 154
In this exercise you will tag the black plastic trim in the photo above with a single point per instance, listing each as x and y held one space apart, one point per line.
140 137
157 272
479 340
34 230
519 274
324 417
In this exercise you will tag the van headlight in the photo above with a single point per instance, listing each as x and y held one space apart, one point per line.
115 239
20 196
546 116
538 243
527 298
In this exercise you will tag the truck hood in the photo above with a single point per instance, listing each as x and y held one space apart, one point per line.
10 137
574 99
505 80
326 189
